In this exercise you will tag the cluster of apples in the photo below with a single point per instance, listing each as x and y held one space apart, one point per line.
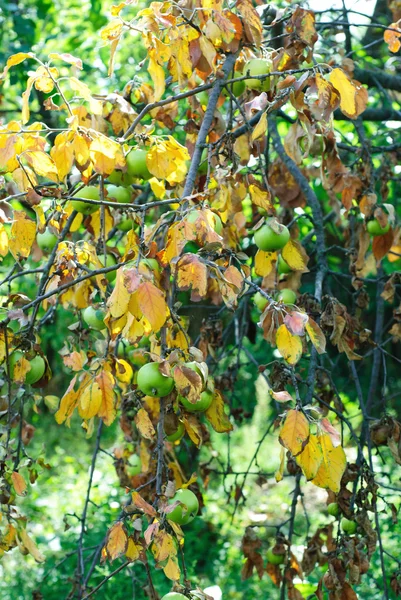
152 382
347 525
119 188
271 239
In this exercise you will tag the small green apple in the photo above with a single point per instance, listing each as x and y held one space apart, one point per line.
94 318
274 559
177 435
260 301
152 382
186 512
333 509
136 164
282 267
46 240
348 526
201 405
118 193
375 229
90 192
269 240
258 66
286 296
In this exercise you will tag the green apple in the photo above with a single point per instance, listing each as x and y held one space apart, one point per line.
177 435
274 559
152 382
110 261
135 464
46 240
260 301
333 509
186 512
237 88
282 267
118 193
203 98
201 405
174 596
374 227
125 225
94 318
37 370
151 263
120 178
268 240
190 247
136 164
348 526
90 192
258 66
286 296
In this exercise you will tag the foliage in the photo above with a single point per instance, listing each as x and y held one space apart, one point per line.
200 286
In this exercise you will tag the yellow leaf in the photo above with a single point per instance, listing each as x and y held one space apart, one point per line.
3 241
98 227
68 404
279 474
30 545
63 154
23 233
152 304
83 90
289 346
167 160
294 431
260 197
19 483
264 262
193 429
119 298
116 541
310 458
332 466
392 38
21 368
106 384
25 114
124 372
188 382
261 128
163 546
90 400
354 97
133 550
172 570
68 58
106 155
316 336
15 59
216 415
157 74
192 275
158 188
42 164
295 256
144 424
